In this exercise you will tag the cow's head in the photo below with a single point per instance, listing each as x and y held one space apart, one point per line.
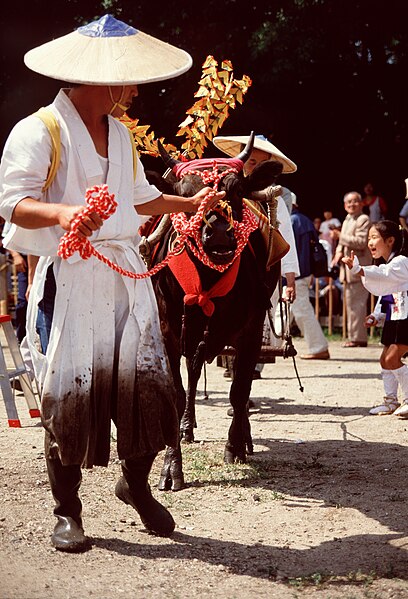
218 235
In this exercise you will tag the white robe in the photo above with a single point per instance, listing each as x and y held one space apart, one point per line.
387 278
100 318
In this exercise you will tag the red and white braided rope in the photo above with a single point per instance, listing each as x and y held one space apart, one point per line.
104 204
99 200
190 229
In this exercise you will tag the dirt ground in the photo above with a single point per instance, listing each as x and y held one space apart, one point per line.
320 510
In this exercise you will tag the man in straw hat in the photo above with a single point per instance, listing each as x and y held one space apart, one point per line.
105 357
264 150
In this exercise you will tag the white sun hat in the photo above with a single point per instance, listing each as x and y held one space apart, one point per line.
108 52
232 144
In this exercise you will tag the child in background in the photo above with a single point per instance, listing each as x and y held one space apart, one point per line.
389 281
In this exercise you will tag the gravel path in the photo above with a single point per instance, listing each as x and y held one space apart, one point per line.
320 510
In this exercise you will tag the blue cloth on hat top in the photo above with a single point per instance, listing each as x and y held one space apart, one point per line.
107 26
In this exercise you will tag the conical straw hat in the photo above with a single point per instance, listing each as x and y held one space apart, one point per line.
232 144
108 52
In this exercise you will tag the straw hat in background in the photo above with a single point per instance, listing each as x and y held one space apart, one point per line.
108 52
232 146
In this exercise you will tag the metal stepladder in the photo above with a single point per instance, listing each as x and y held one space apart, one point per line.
7 376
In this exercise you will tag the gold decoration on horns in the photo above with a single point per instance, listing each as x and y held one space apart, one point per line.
218 93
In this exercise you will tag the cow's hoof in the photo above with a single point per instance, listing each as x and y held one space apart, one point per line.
187 436
165 483
177 477
231 456
228 457
177 484
171 484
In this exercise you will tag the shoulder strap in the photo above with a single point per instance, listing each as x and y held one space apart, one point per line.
134 152
50 121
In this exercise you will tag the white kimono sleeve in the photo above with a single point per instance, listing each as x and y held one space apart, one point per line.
387 278
23 172
290 262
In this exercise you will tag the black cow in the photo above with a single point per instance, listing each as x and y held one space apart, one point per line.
238 316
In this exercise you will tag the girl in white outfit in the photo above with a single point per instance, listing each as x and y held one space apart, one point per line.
389 281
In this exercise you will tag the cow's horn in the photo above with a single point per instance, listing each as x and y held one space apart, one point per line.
167 159
246 152
267 194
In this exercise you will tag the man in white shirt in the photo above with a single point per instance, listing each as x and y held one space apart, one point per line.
105 358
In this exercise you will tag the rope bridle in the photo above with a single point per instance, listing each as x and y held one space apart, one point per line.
100 201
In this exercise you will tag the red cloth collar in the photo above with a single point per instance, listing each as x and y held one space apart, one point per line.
187 275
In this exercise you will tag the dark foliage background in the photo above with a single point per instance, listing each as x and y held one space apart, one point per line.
329 80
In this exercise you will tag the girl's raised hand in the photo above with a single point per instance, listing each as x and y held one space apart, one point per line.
348 260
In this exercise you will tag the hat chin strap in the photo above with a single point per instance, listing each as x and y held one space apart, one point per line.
118 103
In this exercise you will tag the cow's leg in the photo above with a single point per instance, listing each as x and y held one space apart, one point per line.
171 476
188 420
239 434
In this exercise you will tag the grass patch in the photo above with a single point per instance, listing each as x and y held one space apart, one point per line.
300 582
337 335
317 579
204 463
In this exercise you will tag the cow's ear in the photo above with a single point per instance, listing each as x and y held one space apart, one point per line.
163 185
263 175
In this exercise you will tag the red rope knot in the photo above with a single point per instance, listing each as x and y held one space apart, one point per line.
98 200
202 299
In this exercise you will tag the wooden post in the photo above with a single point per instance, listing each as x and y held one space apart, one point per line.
330 317
372 304
14 285
344 311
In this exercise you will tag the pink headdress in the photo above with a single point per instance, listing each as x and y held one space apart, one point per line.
182 168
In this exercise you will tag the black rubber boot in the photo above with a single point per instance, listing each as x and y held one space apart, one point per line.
68 533
133 489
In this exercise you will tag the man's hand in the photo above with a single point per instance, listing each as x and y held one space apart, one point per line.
334 234
166 204
32 214
290 289
18 261
67 214
201 195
